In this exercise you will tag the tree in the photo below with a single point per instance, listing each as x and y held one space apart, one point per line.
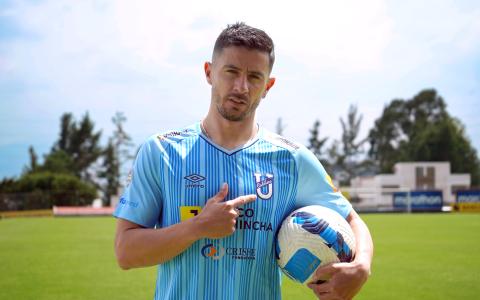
401 123
446 141
347 154
44 189
80 142
110 171
316 144
387 136
421 129
47 189
122 142
67 130
350 131
58 162
63 178
115 156
33 161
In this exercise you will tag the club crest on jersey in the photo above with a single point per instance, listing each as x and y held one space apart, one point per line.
264 185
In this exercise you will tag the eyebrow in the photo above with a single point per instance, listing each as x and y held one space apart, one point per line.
258 73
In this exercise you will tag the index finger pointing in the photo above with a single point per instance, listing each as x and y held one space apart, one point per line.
242 200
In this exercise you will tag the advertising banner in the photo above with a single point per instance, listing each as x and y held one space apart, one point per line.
419 200
468 201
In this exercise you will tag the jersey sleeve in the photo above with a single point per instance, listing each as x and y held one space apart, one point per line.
315 186
141 201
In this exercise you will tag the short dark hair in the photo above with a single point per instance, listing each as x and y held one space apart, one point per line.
242 35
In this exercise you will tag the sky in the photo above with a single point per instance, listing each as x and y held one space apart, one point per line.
145 59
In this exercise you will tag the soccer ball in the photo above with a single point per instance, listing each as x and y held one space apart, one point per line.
310 237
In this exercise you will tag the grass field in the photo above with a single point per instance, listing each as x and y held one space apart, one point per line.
419 256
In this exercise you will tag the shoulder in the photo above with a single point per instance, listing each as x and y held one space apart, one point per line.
171 137
160 142
281 142
176 136
297 150
306 162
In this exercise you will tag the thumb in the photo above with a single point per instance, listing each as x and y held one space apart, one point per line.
325 272
220 196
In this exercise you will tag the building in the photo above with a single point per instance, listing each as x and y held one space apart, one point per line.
376 192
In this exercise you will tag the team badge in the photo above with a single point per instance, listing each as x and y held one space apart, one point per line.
264 185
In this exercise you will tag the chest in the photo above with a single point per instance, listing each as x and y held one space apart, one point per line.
192 177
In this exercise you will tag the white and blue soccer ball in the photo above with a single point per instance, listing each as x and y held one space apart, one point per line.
311 237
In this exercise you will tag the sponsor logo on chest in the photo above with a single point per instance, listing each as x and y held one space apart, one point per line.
216 252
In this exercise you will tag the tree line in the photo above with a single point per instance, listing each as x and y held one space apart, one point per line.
77 169
416 129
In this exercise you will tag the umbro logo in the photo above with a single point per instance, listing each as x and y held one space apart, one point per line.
193 181
194 178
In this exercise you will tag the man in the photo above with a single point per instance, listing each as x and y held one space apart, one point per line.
204 203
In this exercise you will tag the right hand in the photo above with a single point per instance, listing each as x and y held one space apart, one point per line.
218 217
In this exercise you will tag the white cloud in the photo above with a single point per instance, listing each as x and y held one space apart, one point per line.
346 36
145 57
343 36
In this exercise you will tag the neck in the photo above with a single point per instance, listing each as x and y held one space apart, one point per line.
229 134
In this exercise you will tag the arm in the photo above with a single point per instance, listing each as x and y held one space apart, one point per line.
136 246
346 279
364 242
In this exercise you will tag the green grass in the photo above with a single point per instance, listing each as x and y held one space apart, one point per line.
419 256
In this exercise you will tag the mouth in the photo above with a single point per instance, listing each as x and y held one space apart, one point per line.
237 100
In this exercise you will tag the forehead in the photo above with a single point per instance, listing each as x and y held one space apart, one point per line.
243 58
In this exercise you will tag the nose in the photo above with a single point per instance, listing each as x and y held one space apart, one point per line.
241 84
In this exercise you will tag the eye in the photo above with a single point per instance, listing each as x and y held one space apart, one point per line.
255 77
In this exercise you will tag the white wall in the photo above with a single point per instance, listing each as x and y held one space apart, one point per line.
377 190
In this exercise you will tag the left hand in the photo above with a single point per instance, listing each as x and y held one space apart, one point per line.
345 280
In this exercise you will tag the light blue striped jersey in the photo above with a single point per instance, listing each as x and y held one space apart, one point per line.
174 175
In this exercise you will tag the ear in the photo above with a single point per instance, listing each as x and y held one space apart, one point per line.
270 83
207 67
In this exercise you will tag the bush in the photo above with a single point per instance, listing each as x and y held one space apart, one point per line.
43 190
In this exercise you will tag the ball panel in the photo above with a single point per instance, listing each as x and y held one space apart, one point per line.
301 265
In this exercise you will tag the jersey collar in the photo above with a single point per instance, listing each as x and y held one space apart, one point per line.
200 132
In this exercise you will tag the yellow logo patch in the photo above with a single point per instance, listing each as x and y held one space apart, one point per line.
188 212
330 182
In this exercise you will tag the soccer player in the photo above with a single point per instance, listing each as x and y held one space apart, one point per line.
204 202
